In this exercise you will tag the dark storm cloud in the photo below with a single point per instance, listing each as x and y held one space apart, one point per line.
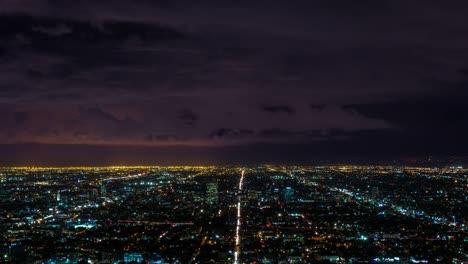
420 113
63 35
317 107
279 109
435 123
188 116
276 132
98 114
210 73
64 96
56 30
463 71
224 133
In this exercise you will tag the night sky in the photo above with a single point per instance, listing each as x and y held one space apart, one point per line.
193 81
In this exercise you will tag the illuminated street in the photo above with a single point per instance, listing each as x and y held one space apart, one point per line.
239 220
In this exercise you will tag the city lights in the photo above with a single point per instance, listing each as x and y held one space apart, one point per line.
264 214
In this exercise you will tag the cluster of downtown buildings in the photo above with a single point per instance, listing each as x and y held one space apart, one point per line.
274 214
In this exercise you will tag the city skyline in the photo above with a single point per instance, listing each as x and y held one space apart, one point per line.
233 215
233 132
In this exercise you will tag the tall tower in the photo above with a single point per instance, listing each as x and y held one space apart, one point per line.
288 195
103 191
212 193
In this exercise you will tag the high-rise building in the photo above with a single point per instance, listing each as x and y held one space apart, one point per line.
103 191
129 257
288 194
212 193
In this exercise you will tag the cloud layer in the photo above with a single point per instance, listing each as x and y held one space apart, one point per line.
230 73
